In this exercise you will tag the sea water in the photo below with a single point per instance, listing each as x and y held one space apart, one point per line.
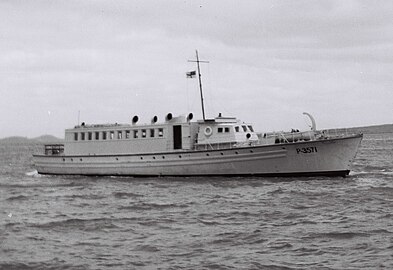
58 222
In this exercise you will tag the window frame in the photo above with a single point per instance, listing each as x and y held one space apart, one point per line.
161 132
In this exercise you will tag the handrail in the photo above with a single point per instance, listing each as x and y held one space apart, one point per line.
53 149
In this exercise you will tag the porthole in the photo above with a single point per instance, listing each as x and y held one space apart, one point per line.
236 152
207 154
163 157
179 156
222 154
117 158
154 157
141 157
251 151
80 159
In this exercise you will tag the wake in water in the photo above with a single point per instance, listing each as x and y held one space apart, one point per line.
33 173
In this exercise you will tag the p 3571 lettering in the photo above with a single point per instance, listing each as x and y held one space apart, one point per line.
306 150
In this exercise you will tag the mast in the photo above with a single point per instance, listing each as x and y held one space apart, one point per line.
200 86
200 82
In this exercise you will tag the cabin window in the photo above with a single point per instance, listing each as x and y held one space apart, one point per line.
244 128
97 135
227 130
111 135
143 133
219 130
250 128
82 136
104 135
135 134
237 129
152 132
160 132
127 134
75 136
119 135
90 136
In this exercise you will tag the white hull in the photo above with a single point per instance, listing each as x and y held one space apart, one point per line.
320 157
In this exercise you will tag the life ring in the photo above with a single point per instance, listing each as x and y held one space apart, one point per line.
208 131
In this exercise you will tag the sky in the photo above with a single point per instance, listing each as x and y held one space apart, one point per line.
64 62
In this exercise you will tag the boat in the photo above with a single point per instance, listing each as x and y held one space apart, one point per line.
181 146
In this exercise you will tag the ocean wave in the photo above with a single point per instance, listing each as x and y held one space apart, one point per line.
381 172
34 184
380 231
383 190
279 244
84 196
95 224
123 195
50 265
151 206
249 238
146 248
338 235
372 168
209 222
271 266
307 250
17 198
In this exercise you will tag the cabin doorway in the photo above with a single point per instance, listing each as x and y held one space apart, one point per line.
177 143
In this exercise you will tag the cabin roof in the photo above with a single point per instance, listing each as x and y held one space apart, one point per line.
219 120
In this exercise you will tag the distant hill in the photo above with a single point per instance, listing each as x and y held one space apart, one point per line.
48 139
15 140
24 140
377 129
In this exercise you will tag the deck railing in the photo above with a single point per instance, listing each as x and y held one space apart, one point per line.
54 149
279 138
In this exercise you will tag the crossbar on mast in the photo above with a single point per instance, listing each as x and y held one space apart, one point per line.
200 81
